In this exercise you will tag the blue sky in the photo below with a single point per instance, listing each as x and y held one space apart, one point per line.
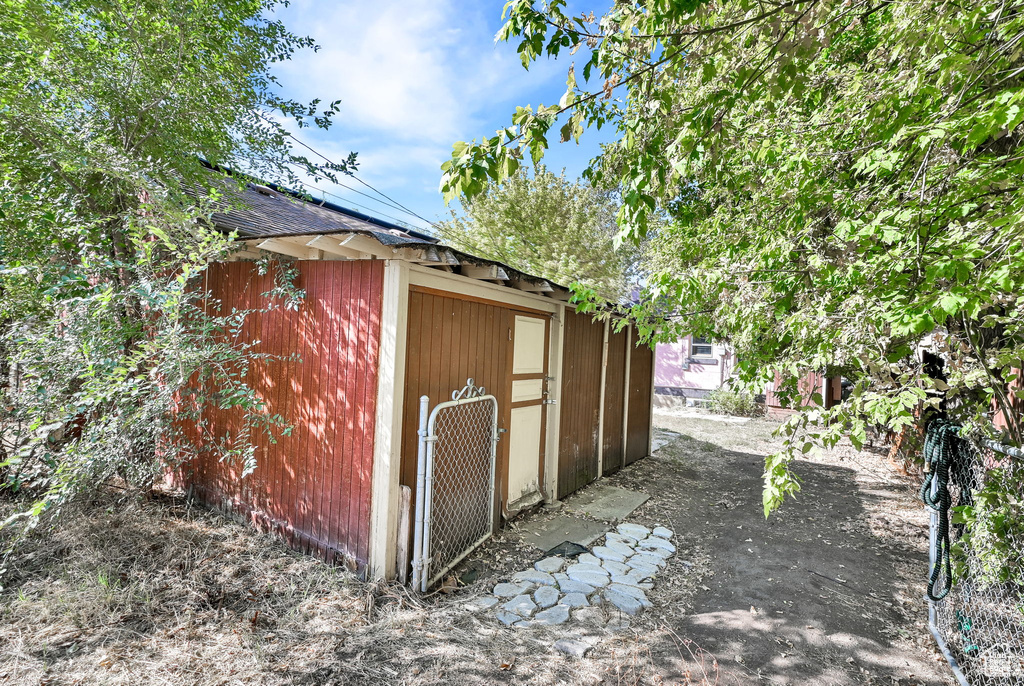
414 76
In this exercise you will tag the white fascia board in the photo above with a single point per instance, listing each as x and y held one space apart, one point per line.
427 277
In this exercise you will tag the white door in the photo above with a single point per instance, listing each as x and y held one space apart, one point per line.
526 428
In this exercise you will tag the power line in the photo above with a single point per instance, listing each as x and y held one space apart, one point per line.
334 195
353 202
380 193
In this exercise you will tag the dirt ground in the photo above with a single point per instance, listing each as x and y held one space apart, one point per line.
826 592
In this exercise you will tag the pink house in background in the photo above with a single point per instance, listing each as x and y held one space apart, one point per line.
687 370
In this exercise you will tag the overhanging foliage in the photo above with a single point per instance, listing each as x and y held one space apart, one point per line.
107 110
843 180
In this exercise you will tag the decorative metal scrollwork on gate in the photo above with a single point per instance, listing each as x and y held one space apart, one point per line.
454 481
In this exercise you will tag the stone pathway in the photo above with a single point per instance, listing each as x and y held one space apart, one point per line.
619 572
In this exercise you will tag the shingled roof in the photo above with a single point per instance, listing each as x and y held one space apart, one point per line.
263 213
272 211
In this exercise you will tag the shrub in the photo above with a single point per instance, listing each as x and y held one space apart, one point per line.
739 403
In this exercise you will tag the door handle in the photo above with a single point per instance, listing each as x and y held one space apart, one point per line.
550 402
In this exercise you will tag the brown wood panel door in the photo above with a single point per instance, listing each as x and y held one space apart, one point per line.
615 400
452 339
638 421
579 416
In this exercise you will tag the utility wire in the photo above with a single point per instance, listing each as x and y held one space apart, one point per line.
352 202
354 190
381 193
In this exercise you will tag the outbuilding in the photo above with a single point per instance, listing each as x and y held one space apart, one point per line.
391 315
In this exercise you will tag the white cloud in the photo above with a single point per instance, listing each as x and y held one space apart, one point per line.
415 69
414 76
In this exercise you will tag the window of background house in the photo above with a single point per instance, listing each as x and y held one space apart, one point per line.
700 347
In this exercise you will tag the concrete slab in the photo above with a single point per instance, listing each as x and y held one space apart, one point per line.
606 502
662 437
546 535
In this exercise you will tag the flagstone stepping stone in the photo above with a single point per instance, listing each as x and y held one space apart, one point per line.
546 596
625 603
621 548
633 591
522 605
636 531
630 580
614 536
532 576
574 600
506 590
557 589
573 586
508 618
482 603
656 552
606 553
573 647
648 557
550 564
559 614
641 571
615 567
596 569
590 578
657 544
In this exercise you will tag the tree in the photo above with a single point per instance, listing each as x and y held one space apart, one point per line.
843 179
547 226
111 114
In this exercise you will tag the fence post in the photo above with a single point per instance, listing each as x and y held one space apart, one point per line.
421 475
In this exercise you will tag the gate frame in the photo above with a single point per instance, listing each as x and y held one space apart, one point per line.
422 575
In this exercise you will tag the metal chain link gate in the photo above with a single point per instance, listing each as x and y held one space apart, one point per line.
979 625
454 481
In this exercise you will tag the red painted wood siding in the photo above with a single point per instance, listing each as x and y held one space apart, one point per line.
580 402
312 487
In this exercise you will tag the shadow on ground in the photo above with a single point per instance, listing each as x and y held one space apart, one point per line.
824 592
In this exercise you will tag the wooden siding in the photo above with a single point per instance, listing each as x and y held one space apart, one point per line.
614 400
809 384
452 339
313 486
580 401
638 423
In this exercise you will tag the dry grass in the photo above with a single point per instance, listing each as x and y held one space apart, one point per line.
159 592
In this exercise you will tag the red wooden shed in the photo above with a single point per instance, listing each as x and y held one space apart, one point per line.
391 315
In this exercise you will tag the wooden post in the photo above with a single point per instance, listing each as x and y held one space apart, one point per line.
404 522
384 499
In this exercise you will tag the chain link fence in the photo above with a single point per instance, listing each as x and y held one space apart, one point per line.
979 624
455 484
